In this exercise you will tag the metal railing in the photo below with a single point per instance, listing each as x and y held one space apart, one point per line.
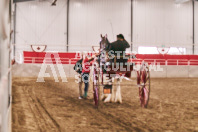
40 60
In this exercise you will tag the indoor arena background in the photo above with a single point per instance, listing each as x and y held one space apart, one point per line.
73 26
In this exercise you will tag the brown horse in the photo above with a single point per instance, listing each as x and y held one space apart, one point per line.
115 94
104 43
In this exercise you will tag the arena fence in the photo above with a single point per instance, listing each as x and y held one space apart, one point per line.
70 58
160 65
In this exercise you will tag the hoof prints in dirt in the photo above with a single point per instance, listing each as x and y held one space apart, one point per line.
54 106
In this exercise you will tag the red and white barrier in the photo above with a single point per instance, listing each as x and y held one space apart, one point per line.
160 65
155 59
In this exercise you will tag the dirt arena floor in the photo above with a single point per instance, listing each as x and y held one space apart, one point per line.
55 107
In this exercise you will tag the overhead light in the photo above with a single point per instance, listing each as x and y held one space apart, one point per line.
78 4
181 1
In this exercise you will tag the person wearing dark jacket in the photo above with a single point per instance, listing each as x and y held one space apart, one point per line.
119 47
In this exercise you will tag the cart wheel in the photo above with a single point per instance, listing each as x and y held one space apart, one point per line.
96 87
138 78
144 88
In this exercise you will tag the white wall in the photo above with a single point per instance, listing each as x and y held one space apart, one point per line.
32 70
196 27
5 79
39 23
155 23
162 22
89 18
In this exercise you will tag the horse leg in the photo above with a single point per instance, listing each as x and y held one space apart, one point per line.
108 98
109 95
109 87
118 97
113 93
104 96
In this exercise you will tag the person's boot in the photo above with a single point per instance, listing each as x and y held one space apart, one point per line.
85 95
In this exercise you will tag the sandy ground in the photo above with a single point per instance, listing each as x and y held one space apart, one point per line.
54 107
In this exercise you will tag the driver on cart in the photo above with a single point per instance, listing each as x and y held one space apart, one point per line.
118 49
